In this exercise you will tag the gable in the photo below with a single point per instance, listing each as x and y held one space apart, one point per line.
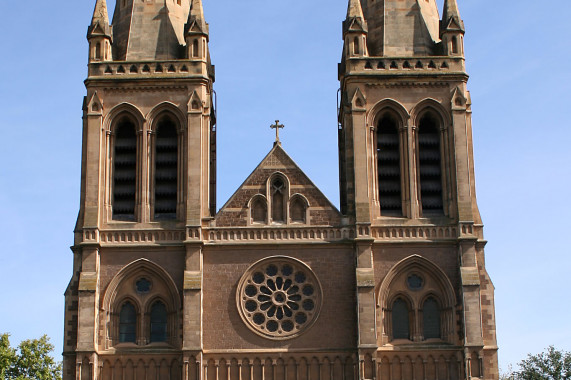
298 188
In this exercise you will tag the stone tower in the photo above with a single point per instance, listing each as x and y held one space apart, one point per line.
407 182
148 182
278 284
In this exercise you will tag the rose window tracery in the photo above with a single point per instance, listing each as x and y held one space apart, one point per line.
279 297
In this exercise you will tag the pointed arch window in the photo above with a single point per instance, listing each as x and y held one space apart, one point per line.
431 319
429 165
356 47
298 209
389 166
455 49
259 210
278 194
401 322
124 171
127 323
158 322
166 170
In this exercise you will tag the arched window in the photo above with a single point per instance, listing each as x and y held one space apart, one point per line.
97 51
166 170
388 163
158 322
455 45
195 48
128 324
431 319
259 210
400 317
278 195
356 48
297 210
124 171
429 161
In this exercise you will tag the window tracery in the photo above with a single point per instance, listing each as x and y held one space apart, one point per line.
141 304
417 304
279 297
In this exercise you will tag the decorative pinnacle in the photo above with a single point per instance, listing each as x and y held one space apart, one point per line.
354 9
277 126
100 13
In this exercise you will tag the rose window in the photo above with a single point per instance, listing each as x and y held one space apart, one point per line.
279 297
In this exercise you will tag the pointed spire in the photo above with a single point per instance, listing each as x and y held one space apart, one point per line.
354 9
100 20
451 12
196 18
100 13
355 21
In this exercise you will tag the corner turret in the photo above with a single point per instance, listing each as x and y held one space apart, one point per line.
99 34
355 31
452 29
196 33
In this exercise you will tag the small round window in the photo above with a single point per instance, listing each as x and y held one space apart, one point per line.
279 297
415 282
143 285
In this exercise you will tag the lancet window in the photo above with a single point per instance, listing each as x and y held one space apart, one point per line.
430 165
389 166
124 171
166 170
128 323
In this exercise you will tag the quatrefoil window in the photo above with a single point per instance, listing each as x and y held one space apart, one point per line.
279 297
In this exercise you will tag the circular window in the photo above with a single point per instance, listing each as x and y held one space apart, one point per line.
279 297
143 285
415 282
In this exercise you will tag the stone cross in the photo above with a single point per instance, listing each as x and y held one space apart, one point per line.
277 127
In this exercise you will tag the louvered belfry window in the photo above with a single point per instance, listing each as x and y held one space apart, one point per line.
166 169
429 160
388 163
124 171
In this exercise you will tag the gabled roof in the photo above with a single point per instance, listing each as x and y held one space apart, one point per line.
235 212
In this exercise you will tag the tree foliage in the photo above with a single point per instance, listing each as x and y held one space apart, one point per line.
31 360
549 365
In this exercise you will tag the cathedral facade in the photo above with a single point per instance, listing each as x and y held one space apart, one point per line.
278 284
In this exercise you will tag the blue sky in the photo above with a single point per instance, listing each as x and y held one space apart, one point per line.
278 60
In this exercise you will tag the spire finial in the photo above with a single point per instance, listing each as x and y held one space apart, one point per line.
196 16
196 9
277 126
354 9
451 12
100 14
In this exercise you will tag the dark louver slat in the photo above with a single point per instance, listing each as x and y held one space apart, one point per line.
430 165
388 163
166 170
124 171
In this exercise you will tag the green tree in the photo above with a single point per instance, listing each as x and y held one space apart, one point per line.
31 361
7 356
549 365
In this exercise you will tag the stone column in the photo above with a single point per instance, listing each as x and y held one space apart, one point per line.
366 310
192 306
